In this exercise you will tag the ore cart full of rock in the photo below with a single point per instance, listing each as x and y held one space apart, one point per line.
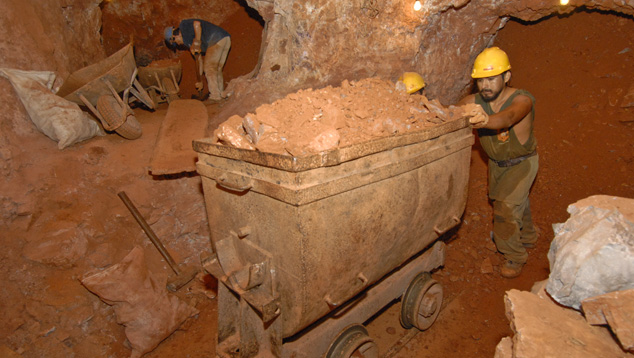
306 249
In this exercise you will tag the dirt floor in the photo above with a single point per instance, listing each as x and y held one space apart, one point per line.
579 68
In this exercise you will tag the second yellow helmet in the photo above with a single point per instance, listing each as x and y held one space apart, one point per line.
413 81
490 62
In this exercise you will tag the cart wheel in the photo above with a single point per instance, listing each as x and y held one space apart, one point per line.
113 115
421 302
353 342
170 89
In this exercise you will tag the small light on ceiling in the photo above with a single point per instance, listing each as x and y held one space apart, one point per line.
563 2
418 5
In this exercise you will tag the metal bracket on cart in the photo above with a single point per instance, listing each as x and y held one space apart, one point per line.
441 230
252 281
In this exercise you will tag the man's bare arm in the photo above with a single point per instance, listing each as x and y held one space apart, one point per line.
518 110
195 47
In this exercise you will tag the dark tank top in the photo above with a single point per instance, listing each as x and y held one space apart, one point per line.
503 144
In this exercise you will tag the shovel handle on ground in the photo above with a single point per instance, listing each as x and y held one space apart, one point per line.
150 233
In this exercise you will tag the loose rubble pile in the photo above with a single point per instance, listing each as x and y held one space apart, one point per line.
312 121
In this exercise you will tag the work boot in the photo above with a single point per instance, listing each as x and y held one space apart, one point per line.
511 269
528 245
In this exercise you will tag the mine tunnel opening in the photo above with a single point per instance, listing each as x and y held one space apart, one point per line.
578 66
246 27
144 25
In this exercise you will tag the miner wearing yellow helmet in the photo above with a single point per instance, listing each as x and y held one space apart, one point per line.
503 117
410 82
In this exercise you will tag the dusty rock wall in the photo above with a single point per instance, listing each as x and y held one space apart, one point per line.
321 42
305 44
56 35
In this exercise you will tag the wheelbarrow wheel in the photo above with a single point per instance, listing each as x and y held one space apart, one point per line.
353 342
113 114
170 89
421 302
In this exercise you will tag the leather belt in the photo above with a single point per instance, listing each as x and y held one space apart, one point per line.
513 161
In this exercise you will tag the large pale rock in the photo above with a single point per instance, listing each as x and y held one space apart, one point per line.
544 329
593 251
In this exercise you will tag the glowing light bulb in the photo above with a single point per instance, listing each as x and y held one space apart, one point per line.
563 2
418 5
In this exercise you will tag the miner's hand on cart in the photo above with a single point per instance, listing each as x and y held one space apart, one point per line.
478 118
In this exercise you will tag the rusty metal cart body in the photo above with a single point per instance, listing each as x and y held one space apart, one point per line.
308 248
98 86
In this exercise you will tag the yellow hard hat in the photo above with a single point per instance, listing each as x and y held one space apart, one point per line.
490 62
413 81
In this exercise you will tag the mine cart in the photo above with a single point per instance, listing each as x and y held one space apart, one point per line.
309 248
98 87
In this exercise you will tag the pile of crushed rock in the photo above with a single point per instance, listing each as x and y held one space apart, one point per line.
312 121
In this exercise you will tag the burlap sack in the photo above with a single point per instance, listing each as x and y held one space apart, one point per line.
141 302
59 119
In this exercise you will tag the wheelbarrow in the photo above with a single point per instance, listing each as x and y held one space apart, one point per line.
307 249
161 78
98 86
